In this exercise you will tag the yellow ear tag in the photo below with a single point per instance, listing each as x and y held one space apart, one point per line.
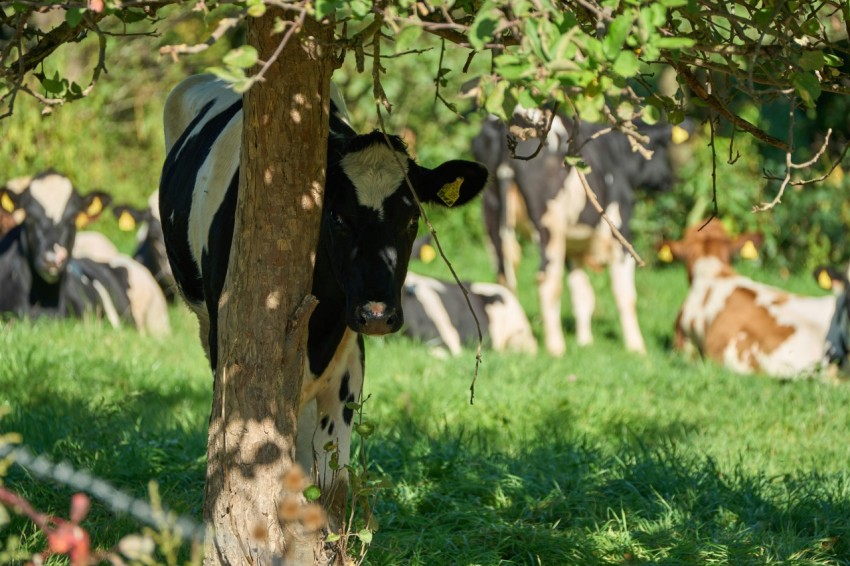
427 253
450 192
824 280
95 207
126 222
6 203
665 254
679 135
82 220
749 250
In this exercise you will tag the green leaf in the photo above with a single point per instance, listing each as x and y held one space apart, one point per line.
482 29
807 87
242 57
312 493
129 16
361 8
325 8
407 38
626 64
229 75
675 117
74 16
833 60
256 9
617 32
577 162
763 17
365 535
625 110
532 37
650 114
54 85
494 102
364 429
674 42
811 60
332 537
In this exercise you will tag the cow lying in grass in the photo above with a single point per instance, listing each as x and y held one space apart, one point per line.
150 244
436 312
40 275
742 324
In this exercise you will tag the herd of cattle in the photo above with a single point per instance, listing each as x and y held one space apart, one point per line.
50 266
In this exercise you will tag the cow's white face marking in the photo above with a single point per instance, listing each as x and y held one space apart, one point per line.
52 192
375 174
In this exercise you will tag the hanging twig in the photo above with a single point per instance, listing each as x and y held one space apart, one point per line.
591 196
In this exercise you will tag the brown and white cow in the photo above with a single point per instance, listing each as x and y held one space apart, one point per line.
742 324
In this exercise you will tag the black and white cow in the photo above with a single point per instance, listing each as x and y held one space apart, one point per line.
436 312
837 347
97 277
571 232
150 243
38 276
148 305
369 222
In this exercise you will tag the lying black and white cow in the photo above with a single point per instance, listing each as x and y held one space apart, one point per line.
369 222
150 244
37 274
48 268
571 232
437 313
837 347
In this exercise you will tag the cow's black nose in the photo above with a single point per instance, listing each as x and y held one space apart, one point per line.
377 319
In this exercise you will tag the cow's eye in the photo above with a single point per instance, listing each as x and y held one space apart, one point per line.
338 221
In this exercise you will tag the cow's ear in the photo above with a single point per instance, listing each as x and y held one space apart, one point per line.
128 217
10 201
669 251
452 183
94 204
747 245
829 279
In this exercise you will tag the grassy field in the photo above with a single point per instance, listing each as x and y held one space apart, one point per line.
601 457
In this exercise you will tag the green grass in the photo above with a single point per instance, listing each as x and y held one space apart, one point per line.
602 457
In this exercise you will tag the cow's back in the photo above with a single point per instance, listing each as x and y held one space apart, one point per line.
203 136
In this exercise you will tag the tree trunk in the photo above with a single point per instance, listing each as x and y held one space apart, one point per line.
266 304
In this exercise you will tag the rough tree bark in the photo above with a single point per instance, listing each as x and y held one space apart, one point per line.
266 303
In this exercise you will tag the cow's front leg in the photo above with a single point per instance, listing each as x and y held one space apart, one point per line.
584 301
334 419
623 285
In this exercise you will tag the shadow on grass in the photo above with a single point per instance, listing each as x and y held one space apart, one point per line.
457 498
147 433
461 496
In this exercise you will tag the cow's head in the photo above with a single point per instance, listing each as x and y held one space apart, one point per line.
54 211
370 219
709 242
837 347
657 174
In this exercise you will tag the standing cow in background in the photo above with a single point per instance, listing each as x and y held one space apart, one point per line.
746 326
150 243
369 222
571 232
